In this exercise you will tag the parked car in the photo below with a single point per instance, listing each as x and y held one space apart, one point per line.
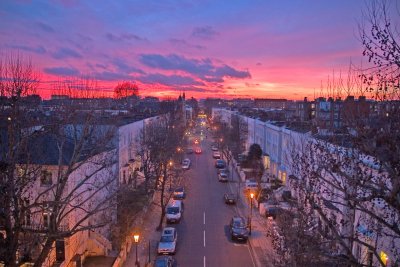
216 155
223 177
223 170
186 164
174 211
214 148
197 150
238 229
230 198
179 193
164 261
251 184
272 212
220 164
167 244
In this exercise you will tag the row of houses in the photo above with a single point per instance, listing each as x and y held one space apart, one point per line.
72 160
324 114
281 140
91 187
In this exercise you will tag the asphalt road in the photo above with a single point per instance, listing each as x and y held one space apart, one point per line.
203 233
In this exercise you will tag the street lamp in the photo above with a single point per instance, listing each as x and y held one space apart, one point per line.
251 210
136 239
170 163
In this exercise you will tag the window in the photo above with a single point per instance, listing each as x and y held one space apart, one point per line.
384 257
46 219
283 178
370 258
46 178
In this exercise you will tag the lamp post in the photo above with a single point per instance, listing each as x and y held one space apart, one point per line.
251 210
136 239
170 163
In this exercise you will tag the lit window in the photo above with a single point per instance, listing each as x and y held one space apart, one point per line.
283 177
384 258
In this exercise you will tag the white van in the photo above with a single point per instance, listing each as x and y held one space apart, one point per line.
174 210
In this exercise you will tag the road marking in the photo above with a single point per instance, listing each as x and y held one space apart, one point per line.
240 245
204 218
204 238
204 261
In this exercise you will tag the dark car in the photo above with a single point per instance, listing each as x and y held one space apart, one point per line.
164 261
179 193
238 229
223 177
223 170
230 198
273 212
220 164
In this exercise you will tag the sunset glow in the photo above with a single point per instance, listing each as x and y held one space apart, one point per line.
269 49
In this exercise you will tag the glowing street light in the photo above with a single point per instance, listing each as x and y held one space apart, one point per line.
251 211
136 239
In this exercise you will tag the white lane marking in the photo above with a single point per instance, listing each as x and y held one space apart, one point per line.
204 218
204 261
240 245
204 238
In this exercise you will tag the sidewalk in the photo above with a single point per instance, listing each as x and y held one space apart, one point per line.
148 236
259 241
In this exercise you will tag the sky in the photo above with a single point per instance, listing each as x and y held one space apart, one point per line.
235 48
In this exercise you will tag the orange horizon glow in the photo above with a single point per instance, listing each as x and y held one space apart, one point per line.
276 49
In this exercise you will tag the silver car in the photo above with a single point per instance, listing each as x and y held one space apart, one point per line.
167 244
186 164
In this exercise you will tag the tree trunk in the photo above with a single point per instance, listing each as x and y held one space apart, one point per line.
10 251
44 253
162 204
160 224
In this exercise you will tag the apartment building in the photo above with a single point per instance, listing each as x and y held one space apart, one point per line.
281 140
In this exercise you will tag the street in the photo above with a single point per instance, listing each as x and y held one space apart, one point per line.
203 233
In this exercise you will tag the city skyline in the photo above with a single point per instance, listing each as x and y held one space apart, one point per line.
206 49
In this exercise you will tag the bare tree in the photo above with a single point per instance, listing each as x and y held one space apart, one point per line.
299 240
380 39
349 192
159 143
126 89
58 177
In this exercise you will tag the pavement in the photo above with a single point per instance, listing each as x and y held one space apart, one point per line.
260 242
148 237
203 233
